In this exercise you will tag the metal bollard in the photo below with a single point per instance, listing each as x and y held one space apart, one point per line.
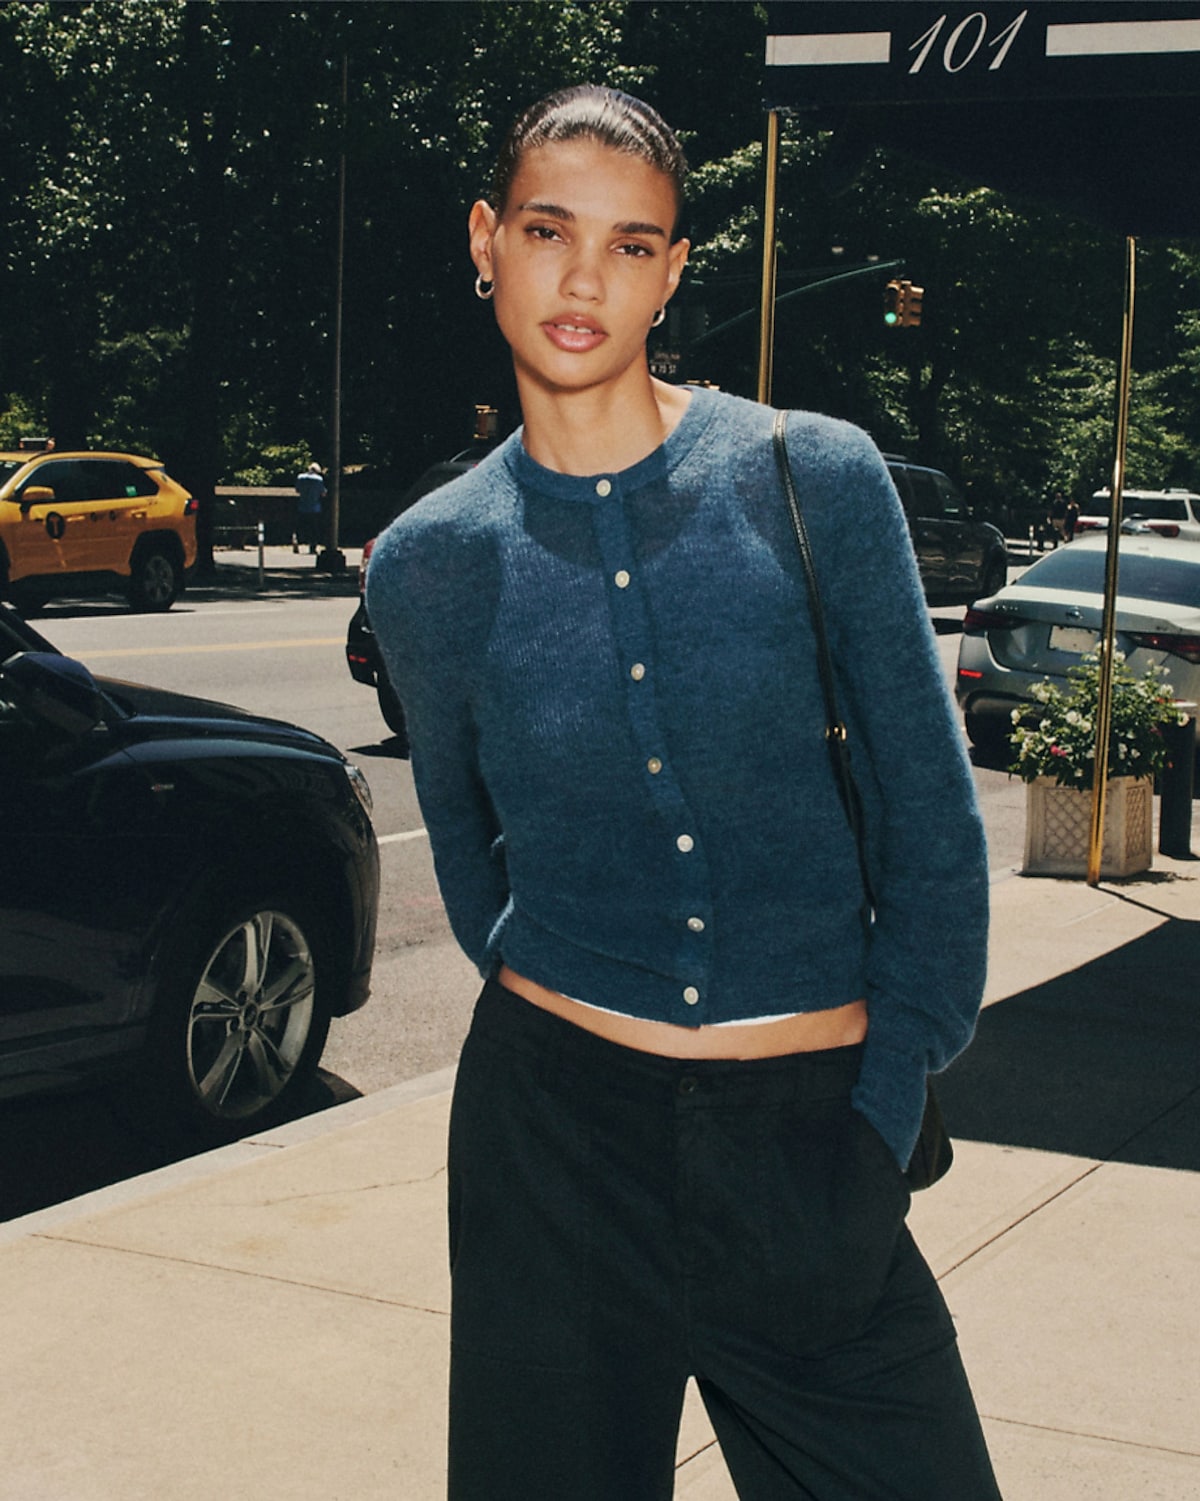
1177 786
262 538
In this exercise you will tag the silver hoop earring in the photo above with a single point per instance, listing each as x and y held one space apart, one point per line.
658 317
484 289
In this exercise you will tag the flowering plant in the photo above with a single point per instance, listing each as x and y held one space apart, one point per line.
1057 738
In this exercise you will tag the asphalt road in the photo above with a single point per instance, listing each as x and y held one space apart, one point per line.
280 653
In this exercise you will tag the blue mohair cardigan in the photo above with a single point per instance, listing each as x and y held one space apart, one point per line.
617 739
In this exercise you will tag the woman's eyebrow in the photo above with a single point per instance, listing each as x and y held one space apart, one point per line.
551 210
556 211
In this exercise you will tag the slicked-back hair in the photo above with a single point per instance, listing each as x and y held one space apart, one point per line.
592 112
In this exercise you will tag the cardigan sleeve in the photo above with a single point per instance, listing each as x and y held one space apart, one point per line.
927 955
412 580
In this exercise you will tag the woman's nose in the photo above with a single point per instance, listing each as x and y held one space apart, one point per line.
582 277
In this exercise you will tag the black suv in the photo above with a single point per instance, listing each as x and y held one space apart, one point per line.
961 559
188 894
362 650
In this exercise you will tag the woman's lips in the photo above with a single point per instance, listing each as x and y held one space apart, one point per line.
574 335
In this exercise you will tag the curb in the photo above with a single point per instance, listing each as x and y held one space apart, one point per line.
222 1159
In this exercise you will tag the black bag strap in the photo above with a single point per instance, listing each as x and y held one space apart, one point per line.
835 727
934 1151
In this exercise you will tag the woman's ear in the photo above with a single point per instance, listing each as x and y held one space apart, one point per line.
481 226
676 260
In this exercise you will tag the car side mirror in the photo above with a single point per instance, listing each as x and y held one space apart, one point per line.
56 690
36 495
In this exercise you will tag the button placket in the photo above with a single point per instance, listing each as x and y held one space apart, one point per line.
689 891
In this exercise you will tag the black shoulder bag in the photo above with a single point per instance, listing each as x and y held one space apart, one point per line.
934 1151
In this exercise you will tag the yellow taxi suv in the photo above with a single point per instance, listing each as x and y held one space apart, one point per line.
93 523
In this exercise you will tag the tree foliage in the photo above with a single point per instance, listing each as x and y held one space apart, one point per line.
169 178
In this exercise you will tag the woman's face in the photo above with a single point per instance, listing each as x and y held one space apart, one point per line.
581 259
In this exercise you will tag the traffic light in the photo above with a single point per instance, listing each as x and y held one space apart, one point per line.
902 304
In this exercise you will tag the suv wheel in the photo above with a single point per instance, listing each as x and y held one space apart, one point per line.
155 581
26 599
995 576
391 708
241 1021
989 736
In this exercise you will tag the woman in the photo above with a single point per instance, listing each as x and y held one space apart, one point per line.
691 1083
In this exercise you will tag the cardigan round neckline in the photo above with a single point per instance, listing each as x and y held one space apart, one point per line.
606 483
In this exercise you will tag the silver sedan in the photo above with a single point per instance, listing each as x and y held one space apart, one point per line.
1040 626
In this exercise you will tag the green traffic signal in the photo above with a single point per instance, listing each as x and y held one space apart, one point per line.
902 304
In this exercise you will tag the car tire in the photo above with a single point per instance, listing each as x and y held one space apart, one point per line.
156 580
391 708
26 600
995 576
989 736
240 1021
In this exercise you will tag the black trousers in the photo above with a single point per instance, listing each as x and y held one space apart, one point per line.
621 1221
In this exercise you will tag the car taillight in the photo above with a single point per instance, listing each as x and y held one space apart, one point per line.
1089 524
362 567
191 506
975 622
1187 647
1164 528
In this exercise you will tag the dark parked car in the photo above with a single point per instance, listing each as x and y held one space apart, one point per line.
362 650
188 894
960 559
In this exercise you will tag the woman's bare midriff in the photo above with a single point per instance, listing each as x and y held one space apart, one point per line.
810 1032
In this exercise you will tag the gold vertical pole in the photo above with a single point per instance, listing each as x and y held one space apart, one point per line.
766 321
1109 620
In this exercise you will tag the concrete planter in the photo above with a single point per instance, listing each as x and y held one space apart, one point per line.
1058 820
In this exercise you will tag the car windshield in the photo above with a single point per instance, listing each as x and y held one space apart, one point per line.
1168 580
9 467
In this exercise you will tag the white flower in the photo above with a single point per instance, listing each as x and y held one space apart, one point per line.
1073 716
1015 716
1122 749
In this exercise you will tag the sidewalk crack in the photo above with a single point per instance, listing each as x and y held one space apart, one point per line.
1100 1438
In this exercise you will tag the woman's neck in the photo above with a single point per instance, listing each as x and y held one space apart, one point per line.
599 431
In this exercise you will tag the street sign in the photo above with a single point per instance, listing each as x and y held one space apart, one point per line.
821 53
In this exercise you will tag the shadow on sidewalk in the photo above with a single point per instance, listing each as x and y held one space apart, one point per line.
1100 1062
56 1147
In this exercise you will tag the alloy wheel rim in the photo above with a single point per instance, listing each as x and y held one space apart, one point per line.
251 1016
158 578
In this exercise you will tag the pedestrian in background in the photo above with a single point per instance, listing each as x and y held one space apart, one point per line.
310 486
1056 518
694 1076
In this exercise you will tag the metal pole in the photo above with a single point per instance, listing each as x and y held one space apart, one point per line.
1109 619
766 322
332 560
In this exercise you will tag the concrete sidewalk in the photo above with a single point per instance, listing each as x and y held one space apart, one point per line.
270 1320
